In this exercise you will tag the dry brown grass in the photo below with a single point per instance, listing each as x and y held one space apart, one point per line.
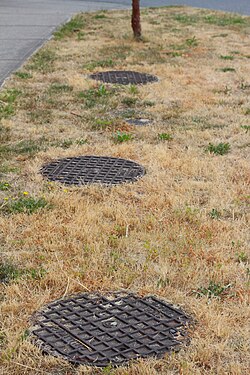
186 220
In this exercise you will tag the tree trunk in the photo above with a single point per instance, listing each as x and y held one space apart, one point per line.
136 22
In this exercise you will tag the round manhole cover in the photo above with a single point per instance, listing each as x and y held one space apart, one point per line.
124 77
99 330
138 121
84 170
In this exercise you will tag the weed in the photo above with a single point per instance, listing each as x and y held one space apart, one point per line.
4 186
23 75
247 111
70 28
25 204
133 89
122 137
81 141
162 282
93 96
43 61
129 101
220 149
191 42
227 57
246 128
213 290
242 257
227 69
165 137
214 214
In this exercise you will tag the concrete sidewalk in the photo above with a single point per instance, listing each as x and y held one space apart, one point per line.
27 24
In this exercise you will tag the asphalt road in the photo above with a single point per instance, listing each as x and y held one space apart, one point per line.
26 24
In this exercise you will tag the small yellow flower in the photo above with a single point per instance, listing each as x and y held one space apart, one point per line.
6 199
65 190
25 193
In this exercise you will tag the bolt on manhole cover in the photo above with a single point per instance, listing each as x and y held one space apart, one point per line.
99 330
138 121
84 170
124 77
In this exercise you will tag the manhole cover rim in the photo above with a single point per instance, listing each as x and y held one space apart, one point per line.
79 181
37 318
146 77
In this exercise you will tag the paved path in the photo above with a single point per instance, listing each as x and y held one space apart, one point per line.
26 24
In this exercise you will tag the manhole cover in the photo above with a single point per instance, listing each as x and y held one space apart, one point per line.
124 77
98 330
93 169
138 121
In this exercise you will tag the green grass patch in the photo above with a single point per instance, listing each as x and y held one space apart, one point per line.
214 214
7 101
59 88
164 137
108 63
224 20
10 272
129 101
43 61
220 149
29 147
4 186
119 137
23 75
227 69
95 96
24 204
227 57
75 25
213 290
246 128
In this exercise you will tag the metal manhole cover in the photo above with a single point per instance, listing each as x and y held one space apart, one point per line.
138 121
99 330
124 77
84 170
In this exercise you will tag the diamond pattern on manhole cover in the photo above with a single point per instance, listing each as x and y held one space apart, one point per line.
84 170
99 330
138 121
124 77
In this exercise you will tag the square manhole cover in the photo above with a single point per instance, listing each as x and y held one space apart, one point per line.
99 330
84 170
124 77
